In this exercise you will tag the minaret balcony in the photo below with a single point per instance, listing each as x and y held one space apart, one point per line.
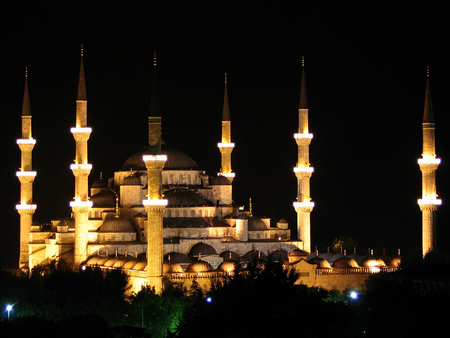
26 141
306 206
429 201
227 175
81 206
81 130
26 176
225 145
26 209
303 139
429 160
154 158
158 205
76 166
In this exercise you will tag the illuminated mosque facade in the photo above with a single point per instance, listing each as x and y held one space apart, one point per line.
160 217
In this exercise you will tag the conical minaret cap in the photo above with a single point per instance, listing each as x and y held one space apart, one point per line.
155 105
26 108
428 116
226 105
81 80
303 104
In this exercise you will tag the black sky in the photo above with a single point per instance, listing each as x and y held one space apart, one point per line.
366 73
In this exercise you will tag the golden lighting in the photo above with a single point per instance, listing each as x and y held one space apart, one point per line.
80 166
226 174
23 206
78 203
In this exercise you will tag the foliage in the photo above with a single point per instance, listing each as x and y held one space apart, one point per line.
342 243
157 315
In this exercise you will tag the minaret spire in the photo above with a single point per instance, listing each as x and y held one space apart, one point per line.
154 205
26 176
226 146
81 169
303 171
428 165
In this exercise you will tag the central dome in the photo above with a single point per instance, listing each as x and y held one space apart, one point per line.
176 160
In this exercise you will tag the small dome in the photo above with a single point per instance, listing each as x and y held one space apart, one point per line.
228 266
100 183
345 263
185 198
279 256
202 249
298 253
254 255
131 180
177 257
320 262
140 265
336 257
372 262
256 223
219 180
116 224
170 267
199 266
283 220
327 256
230 256
104 199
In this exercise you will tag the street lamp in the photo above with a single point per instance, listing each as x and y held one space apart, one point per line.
8 309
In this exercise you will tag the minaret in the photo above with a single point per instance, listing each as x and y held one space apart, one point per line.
428 165
155 205
226 147
26 176
303 171
81 169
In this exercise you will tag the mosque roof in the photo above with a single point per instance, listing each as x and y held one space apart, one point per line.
104 199
256 223
193 222
177 257
345 262
228 266
199 266
185 198
131 180
116 224
219 180
230 256
201 249
176 160
170 267
320 262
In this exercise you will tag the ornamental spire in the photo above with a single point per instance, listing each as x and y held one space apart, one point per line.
155 106
428 116
303 104
81 80
26 108
226 106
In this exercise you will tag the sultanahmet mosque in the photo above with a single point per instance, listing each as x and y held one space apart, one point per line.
162 218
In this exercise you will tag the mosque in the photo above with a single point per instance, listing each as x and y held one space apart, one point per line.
160 217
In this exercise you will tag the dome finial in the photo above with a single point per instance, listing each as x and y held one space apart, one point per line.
154 59
250 206
226 77
26 72
303 61
428 70
117 207
82 50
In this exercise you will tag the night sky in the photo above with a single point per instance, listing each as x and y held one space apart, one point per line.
365 71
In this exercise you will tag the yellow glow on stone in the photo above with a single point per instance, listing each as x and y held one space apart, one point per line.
303 169
226 174
77 203
429 201
25 173
24 206
81 166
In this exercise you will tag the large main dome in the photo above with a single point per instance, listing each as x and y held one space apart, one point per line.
176 160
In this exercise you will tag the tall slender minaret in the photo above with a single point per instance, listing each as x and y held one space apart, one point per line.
155 205
81 169
428 165
226 146
26 176
303 171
